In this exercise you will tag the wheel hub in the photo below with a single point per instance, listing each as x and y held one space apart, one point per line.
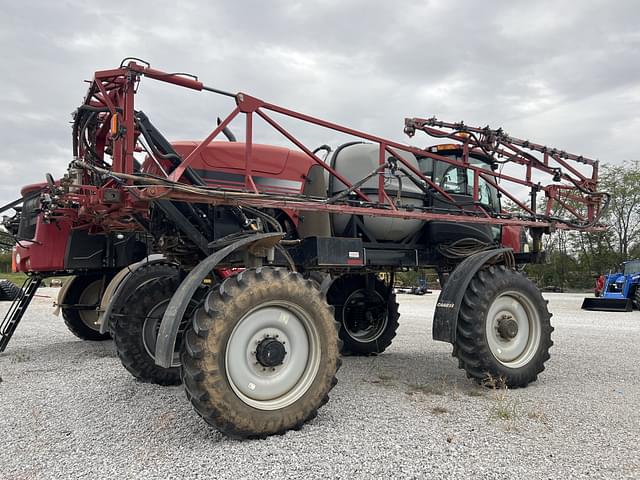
272 355
507 327
513 329
270 352
364 315
151 327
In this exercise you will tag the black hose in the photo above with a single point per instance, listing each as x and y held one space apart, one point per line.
85 141
324 147
265 216
227 132
175 159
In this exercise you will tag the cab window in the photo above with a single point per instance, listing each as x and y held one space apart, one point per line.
457 180
454 180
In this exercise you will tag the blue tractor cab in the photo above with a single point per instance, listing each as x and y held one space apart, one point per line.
621 290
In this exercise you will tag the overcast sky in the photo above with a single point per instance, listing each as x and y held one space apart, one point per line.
562 73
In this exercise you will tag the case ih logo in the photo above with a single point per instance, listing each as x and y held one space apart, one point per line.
445 305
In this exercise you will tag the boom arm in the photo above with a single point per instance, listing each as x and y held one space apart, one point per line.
107 125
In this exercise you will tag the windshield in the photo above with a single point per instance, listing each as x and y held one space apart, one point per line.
29 219
459 180
632 267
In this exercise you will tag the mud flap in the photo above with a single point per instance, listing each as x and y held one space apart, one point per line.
116 286
445 318
62 295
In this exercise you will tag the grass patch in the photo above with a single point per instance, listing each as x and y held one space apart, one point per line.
539 416
439 410
166 420
425 389
475 392
504 408
385 379
20 358
434 388
17 278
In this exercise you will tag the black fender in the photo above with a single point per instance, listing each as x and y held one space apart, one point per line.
62 295
168 331
445 318
117 285
67 287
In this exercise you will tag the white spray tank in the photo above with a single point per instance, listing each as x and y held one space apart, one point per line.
354 161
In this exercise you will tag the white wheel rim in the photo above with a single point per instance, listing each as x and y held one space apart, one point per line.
91 296
273 388
513 350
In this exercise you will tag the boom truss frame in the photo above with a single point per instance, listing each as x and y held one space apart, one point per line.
111 97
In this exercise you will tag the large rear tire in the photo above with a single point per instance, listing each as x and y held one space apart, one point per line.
261 355
83 322
136 319
368 314
504 330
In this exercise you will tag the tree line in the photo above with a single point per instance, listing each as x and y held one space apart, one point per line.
575 258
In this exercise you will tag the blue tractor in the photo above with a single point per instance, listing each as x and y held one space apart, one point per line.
621 290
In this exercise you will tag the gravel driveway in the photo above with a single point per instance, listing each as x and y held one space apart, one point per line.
69 410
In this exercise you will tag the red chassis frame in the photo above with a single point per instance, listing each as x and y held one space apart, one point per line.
112 93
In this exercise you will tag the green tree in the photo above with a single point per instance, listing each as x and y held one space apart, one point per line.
575 257
623 184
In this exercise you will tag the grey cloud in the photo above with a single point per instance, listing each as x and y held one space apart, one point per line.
563 73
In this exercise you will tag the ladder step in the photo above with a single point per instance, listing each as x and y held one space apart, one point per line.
17 310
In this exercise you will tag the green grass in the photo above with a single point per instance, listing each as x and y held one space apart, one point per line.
385 379
17 278
440 410
505 409
475 392
426 388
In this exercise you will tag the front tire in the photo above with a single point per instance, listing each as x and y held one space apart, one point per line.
504 330
261 355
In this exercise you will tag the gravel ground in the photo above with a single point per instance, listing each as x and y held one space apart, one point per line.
69 410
